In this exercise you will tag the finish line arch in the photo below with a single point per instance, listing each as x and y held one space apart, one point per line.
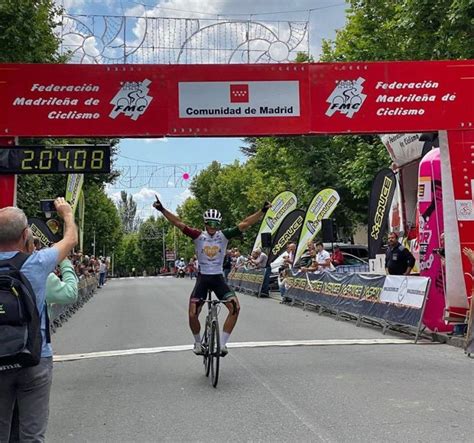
54 100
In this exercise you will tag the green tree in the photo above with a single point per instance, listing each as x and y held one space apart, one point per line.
127 208
27 31
128 256
102 221
151 234
404 30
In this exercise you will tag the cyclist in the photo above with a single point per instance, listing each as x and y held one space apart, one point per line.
211 247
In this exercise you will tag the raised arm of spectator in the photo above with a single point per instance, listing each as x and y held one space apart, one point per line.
173 219
62 291
254 218
69 239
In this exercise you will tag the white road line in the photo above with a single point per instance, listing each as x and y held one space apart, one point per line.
256 344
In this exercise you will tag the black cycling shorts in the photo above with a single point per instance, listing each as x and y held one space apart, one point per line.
215 283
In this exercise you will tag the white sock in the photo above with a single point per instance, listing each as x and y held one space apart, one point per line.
224 338
197 338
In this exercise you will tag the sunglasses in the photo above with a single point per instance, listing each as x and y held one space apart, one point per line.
213 224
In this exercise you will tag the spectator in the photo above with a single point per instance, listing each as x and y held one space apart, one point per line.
102 272
289 255
282 282
30 386
259 261
227 265
321 261
337 257
61 291
398 259
239 260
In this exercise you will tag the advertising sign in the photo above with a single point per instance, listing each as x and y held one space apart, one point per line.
282 205
73 189
322 206
381 195
288 232
251 99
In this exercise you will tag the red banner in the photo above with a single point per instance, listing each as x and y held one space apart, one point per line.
234 100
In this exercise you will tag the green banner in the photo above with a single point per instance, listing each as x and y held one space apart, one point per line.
73 189
321 207
282 205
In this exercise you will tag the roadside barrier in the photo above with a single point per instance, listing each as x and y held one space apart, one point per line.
59 314
249 281
391 301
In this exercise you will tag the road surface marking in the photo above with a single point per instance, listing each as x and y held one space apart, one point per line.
254 344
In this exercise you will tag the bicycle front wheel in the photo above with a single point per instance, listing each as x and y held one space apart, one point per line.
215 352
206 348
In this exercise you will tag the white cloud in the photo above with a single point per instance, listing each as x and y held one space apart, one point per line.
155 140
145 195
183 196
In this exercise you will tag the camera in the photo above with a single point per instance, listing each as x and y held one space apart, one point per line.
439 251
47 205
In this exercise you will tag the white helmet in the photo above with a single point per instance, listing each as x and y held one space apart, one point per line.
212 217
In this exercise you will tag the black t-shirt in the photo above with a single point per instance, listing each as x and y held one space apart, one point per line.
398 259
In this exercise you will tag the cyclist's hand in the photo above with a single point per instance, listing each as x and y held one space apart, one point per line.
157 204
266 206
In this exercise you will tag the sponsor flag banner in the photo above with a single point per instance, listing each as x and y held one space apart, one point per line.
363 295
322 206
282 205
40 229
381 196
80 219
395 217
73 189
289 231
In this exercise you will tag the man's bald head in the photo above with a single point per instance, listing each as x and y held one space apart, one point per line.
13 223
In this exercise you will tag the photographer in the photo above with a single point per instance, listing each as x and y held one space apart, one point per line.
30 386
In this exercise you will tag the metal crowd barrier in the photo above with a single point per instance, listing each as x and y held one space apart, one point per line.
59 314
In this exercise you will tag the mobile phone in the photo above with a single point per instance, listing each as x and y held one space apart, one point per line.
47 205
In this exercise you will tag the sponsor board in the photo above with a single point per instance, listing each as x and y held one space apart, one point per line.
404 290
239 100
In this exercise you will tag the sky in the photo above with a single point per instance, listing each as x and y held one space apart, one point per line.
166 166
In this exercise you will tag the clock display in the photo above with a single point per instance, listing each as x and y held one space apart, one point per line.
55 160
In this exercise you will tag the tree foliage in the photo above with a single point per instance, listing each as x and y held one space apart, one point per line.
27 31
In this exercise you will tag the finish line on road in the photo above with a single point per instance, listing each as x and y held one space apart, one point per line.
256 344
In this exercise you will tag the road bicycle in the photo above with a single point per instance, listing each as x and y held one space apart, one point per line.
211 343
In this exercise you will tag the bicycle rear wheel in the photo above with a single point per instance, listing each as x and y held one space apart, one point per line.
206 347
215 351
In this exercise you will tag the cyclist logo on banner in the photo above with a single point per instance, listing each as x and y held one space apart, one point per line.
347 98
132 99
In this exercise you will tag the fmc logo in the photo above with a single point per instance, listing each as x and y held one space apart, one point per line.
132 99
347 98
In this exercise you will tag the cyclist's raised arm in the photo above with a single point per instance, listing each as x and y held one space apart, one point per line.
173 219
254 218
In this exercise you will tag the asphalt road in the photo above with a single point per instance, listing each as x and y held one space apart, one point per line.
327 391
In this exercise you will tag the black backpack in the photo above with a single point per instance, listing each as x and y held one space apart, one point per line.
20 325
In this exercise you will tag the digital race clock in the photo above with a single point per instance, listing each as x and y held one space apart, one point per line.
55 160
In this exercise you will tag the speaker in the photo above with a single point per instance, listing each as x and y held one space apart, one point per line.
266 238
329 230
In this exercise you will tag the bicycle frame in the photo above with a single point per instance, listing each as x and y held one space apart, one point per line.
211 339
